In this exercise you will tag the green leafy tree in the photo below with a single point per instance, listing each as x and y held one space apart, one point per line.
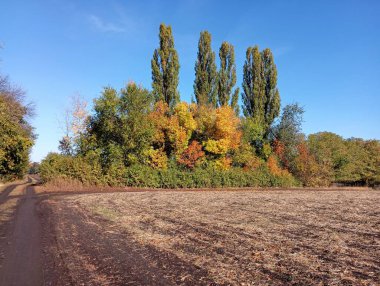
371 172
272 95
205 83
261 98
287 135
136 130
253 134
330 152
254 85
105 129
227 77
165 69
16 134
105 123
363 162
120 125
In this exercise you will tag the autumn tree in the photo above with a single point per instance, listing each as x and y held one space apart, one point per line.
275 168
227 77
74 125
182 133
225 134
218 130
165 69
307 169
192 155
172 131
205 83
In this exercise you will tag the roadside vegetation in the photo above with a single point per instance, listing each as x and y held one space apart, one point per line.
143 138
16 134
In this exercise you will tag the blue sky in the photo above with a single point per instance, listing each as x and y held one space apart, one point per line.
327 53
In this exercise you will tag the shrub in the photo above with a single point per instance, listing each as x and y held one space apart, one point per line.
77 168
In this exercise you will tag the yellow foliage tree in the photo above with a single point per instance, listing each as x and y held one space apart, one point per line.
173 131
224 133
218 131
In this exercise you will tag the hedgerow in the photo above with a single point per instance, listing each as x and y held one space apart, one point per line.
76 168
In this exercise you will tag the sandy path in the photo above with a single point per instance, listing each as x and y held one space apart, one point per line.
22 244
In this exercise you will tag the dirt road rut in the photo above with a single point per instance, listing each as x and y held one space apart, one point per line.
21 243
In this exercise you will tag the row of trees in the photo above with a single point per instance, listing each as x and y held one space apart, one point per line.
214 87
145 131
131 138
324 158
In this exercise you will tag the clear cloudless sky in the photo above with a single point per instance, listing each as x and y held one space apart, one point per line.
327 53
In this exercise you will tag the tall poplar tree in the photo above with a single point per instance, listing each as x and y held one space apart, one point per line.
272 95
254 85
205 83
260 95
227 77
165 68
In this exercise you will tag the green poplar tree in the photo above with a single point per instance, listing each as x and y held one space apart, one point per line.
254 86
165 69
260 95
272 95
205 83
227 77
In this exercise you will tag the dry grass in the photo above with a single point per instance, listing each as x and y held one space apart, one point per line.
254 238
59 185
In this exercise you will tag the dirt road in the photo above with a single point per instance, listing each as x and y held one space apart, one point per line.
21 238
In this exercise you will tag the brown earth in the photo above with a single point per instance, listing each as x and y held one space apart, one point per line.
280 237
20 242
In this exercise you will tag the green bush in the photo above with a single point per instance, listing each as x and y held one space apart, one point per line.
141 176
78 168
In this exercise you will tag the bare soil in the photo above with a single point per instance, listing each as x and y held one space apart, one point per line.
279 237
218 238
20 243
